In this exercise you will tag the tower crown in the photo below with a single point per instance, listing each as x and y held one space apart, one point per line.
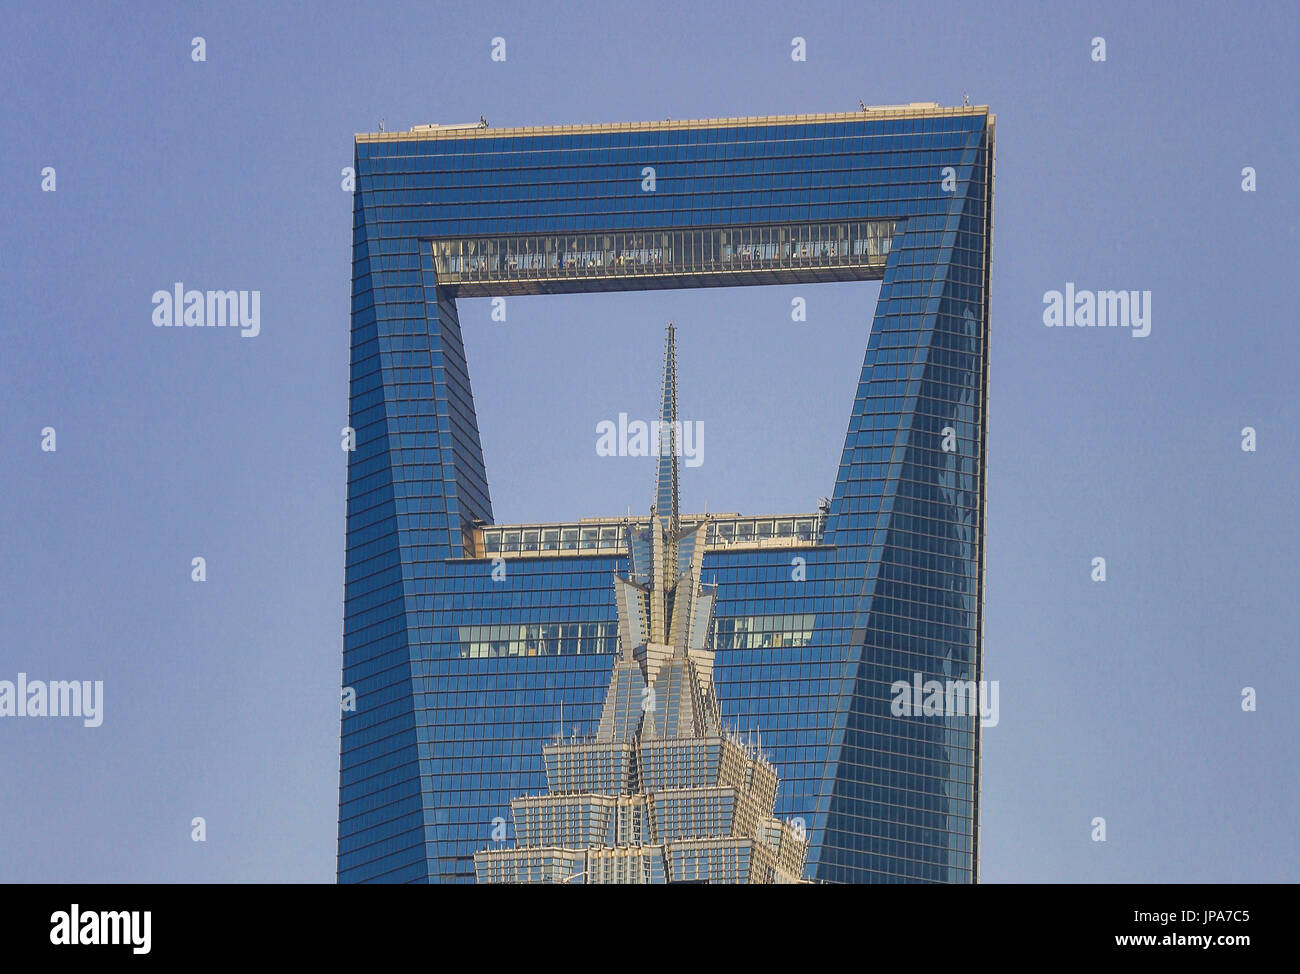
663 612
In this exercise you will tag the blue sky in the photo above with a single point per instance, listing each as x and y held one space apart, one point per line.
1118 699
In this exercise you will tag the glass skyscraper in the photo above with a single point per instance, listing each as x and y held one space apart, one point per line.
464 640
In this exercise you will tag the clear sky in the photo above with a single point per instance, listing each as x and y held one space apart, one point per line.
1119 699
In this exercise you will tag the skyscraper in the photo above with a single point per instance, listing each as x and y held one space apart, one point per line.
463 637
660 794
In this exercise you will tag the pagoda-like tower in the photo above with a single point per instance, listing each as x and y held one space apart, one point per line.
660 794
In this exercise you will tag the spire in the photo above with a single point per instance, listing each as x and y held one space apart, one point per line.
663 616
666 525
666 500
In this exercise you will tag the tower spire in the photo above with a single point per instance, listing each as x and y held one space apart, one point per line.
666 495
666 525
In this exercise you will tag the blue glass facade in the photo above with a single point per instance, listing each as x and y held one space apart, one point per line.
461 676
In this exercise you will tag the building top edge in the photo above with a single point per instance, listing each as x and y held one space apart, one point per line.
434 132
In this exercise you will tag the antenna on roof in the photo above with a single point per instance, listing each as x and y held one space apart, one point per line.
381 125
482 122
965 99
862 104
